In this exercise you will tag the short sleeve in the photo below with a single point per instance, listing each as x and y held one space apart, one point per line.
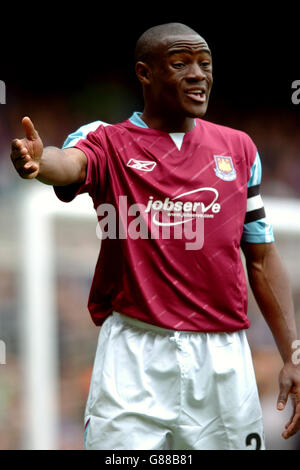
81 133
257 228
88 139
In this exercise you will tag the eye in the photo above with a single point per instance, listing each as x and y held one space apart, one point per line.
206 63
178 65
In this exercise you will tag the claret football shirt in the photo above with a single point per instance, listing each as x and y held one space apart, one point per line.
172 210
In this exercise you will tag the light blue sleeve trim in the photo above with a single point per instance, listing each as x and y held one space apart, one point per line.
81 133
259 231
255 176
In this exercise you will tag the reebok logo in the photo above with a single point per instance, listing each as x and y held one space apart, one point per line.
141 165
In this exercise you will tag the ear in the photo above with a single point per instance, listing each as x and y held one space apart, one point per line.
143 72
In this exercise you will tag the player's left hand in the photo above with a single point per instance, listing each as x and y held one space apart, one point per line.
289 385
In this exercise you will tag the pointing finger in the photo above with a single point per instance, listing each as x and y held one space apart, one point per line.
30 131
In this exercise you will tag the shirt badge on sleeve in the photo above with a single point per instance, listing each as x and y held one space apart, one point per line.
224 168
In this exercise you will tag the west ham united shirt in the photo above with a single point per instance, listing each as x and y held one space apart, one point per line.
172 210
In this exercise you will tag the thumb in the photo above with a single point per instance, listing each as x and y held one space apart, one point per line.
31 133
284 390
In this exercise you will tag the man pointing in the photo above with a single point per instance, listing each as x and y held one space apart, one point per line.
173 368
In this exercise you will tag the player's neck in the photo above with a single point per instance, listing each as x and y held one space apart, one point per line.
167 123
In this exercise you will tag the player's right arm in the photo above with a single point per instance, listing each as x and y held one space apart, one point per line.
50 165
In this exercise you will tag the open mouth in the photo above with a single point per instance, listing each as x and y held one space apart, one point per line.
196 95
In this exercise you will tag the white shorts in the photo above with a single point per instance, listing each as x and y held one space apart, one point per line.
154 388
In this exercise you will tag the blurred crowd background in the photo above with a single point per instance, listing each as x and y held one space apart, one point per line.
70 86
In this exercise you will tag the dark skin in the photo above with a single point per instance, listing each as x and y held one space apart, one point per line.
176 87
271 288
171 84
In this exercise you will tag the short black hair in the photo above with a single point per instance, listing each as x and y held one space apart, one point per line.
146 42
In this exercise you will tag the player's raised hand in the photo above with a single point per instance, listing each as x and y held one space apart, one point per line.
26 153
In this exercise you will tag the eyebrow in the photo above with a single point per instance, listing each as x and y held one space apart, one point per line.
186 51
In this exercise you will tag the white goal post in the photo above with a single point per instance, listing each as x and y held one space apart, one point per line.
37 298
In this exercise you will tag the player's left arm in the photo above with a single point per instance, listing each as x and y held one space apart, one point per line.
271 288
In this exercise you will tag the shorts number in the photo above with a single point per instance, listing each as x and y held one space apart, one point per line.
257 438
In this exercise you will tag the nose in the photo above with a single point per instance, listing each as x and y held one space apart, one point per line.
195 72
